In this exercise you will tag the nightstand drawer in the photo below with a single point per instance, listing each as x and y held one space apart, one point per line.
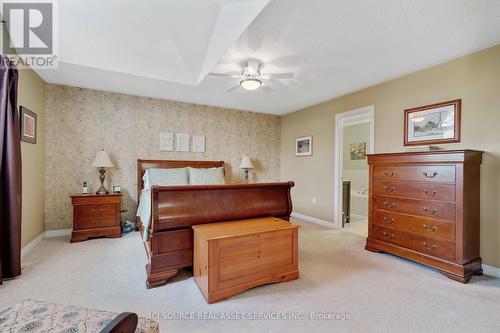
96 211
96 222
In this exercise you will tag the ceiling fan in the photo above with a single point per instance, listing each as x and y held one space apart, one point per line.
251 77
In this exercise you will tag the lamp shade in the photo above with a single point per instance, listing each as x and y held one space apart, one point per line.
102 160
246 163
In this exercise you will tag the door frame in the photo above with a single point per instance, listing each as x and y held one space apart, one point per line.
357 116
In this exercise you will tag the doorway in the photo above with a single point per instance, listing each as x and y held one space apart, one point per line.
354 138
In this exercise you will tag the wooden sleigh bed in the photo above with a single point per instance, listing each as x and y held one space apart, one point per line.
175 209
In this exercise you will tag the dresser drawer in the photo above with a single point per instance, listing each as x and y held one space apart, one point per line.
426 208
437 248
430 173
420 225
419 190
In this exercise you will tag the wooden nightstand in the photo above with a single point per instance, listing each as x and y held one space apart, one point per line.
95 216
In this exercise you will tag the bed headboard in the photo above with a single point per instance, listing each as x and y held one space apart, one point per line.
142 165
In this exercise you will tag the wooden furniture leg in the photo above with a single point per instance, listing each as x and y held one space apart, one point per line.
158 278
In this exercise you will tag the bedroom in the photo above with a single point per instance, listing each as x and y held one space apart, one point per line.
139 105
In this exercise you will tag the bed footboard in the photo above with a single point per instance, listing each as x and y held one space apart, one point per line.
176 208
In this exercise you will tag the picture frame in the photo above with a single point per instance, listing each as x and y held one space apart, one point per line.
303 146
433 124
182 141
358 151
117 189
28 125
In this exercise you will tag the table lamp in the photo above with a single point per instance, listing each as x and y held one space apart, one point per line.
246 165
102 161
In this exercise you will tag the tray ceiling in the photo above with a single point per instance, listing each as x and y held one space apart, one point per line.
165 49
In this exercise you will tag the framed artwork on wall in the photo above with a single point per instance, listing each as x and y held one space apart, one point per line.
28 125
358 151
303 146
432 124
182 142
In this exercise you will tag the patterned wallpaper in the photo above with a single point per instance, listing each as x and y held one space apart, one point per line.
80 122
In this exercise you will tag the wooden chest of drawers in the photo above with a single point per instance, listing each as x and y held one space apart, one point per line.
231 257
95 216
424 206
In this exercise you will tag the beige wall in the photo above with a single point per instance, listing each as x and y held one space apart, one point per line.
32 96
474 78
80 122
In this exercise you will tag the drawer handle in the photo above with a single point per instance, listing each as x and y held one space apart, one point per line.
389 189
432 175
430 211
387 221
389 204
389 173
433 247
388 236
433 193
426 227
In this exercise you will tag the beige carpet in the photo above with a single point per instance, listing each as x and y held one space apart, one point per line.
379 292
358 225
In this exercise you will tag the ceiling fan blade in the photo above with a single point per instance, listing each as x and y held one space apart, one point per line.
233 88
282 76
286 61
278 84
231 74
267 89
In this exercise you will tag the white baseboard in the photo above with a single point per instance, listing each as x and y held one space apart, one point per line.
57 233
31 245
311 219
491 271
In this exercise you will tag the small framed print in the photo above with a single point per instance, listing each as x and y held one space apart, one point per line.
198 144
117 189
28 125
433 124
303 146
358 151
182 142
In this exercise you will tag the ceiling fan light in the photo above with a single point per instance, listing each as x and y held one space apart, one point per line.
250 84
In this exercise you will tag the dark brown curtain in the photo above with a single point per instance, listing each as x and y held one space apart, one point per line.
10 173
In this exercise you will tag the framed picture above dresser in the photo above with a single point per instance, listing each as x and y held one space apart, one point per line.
424 206
433 124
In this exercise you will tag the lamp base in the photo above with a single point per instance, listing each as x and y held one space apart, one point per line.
102 189
246 174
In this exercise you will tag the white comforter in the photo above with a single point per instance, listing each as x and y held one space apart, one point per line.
144 211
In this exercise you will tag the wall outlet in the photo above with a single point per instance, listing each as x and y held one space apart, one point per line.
314 200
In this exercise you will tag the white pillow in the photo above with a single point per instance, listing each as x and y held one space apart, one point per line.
210 176
165 177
